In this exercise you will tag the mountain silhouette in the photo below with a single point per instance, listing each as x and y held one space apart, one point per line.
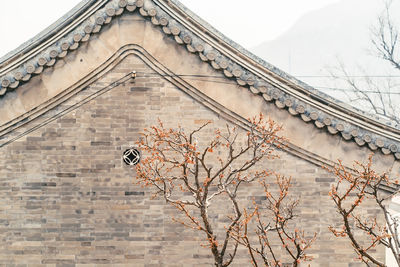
321 39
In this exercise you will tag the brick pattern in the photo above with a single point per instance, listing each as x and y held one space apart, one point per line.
67 199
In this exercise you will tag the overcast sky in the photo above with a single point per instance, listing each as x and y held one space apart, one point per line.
246 22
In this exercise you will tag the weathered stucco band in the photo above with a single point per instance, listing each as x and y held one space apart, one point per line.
211 46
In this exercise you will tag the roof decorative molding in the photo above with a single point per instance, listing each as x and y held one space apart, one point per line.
222 54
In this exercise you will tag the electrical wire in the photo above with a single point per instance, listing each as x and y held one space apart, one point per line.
350 90
348 76
297 76
197 78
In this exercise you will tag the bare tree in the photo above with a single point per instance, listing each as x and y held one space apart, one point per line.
193 173
354 192
374 94
273 222
386 37
354 187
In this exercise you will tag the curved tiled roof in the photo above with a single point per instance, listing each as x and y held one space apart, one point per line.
211 46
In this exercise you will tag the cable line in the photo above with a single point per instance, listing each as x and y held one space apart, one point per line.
351 90
198 78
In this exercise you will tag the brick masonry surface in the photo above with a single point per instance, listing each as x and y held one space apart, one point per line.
67 199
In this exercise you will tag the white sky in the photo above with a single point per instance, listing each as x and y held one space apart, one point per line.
246 22
252 22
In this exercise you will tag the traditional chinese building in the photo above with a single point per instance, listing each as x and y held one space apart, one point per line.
75 97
